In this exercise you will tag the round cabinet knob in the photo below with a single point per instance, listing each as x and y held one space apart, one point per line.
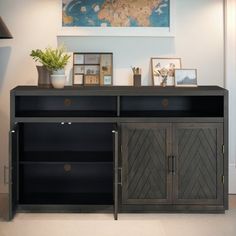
67 167
165 103
67 102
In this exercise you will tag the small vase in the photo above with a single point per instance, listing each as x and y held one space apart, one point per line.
164 82
137 80
58 72
58 79
43 76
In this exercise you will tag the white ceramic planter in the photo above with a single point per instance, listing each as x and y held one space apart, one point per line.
58 81
58 72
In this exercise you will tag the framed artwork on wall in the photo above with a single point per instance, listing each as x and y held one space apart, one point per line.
186 78
163 70
117 18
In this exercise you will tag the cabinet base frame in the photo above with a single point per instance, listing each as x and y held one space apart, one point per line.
65 208
172 209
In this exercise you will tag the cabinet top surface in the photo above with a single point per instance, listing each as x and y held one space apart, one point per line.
119 90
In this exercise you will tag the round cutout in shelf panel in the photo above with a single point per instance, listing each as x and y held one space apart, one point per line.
67 102
165 103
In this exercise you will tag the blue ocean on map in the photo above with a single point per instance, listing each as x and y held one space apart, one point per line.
89 18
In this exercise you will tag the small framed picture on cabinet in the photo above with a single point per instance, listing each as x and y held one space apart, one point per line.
163 70
186 78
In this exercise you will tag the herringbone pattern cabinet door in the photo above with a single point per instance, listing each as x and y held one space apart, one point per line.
199 163
145 151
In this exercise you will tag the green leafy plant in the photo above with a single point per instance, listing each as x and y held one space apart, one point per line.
53 59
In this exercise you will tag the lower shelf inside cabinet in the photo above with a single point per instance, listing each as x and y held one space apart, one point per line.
83 182
66 156
69 199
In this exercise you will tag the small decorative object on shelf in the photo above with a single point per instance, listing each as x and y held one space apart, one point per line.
93 69
163 70
137 76
186 78
163 73
43 76
53 63
91 80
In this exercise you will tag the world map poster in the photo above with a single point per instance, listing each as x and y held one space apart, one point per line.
116 13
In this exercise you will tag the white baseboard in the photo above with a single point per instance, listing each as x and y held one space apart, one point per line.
232 178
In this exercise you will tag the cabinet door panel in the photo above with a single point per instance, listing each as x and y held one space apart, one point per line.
115 172
199 163
8 201
145 151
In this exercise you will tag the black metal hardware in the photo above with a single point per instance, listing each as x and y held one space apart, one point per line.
170 168
121 174
173 165
5 179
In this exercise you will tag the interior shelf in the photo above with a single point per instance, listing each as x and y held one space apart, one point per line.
68 198
172 106
66 106
66 164
81 183
86 139
71 113
208 114
65 157
130 106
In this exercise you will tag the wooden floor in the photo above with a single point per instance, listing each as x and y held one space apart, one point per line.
232 201
128 224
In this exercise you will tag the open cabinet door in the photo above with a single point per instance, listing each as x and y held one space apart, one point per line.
115 171
13 170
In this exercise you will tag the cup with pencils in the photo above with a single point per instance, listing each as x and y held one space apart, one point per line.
137 76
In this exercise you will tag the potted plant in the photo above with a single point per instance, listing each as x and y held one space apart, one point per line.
54 60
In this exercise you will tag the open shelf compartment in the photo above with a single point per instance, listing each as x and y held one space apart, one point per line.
82 183
66 164
172 106
65 106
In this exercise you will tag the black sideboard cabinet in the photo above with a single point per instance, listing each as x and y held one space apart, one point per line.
118 149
